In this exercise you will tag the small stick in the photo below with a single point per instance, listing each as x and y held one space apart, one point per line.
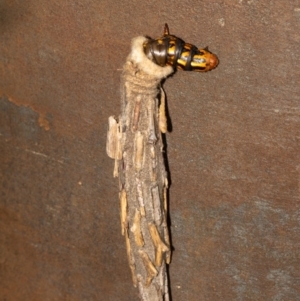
134 141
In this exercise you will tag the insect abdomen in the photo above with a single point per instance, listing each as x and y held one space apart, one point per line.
172 51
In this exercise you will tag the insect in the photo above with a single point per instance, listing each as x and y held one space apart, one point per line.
171 51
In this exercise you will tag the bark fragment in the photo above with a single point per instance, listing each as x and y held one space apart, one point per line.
136 229
123 210
160 246
150 268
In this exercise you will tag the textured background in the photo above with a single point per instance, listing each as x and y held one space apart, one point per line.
234 149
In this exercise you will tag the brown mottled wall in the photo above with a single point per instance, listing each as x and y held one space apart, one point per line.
233 150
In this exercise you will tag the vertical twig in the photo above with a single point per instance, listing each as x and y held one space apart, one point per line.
134 141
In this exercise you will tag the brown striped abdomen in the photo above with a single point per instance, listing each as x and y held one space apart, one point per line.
170 50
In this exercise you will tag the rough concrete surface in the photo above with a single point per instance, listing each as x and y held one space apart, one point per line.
233 150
